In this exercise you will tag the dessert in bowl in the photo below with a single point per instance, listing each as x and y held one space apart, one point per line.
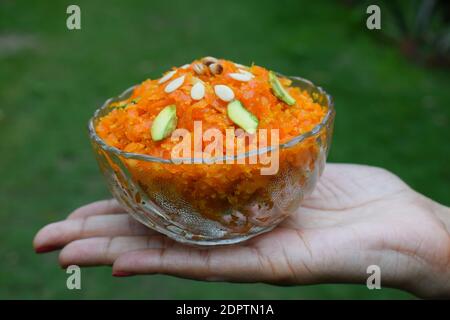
214 152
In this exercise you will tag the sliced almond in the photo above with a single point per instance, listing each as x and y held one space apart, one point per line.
185 66
199 68
246 72
167 76
240 76
224 92
174 84
198 91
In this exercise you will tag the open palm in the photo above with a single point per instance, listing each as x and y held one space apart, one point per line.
356 217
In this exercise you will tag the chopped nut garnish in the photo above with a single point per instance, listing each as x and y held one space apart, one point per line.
215 68
242 117
209 60
246 72
174 84
278 89
199 68
198 91
240 76
224 92
167 76
164 123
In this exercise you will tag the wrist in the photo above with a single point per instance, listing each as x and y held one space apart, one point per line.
434 280
443 213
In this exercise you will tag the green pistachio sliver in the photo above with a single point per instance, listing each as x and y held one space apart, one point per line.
164 123
278 89
135 100
242 117
124 104
119 105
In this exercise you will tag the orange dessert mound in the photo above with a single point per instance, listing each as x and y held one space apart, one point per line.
212 189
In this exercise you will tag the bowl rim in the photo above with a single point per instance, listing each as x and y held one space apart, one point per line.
327 119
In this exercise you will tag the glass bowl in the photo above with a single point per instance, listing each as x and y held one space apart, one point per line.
213 203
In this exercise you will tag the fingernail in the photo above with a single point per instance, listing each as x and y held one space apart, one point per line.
44 249
121 274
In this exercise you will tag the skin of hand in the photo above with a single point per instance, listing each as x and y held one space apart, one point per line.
357 216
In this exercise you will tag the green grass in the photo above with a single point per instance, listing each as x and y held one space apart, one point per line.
390 113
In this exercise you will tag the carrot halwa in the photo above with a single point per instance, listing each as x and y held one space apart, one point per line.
203 91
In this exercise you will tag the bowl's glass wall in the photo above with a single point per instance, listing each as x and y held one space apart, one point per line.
216 203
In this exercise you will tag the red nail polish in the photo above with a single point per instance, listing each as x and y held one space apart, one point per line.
121 274
44 249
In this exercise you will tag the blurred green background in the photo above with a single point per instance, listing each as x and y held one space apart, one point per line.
390 113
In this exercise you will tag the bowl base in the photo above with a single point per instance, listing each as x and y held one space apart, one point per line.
196 240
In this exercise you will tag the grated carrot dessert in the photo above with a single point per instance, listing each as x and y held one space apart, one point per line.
203 91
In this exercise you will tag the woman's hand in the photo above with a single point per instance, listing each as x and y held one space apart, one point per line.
357 216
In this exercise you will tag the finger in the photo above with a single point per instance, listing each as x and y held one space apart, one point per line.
58 234
109 206
104 250
236 263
